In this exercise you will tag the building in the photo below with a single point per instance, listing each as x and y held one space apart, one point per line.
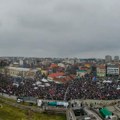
15 64
21 62
101 70
23 72
55 75
108 59
116 58
60 77
112 70
83 68
69 61
61 65
81 73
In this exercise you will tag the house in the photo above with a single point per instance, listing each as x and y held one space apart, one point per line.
53 65
52 76
81 72
23 72
112 69
60 77
101 70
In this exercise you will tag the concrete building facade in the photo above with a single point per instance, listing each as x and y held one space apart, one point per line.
112 70
108 59
101 70
23 72
116 58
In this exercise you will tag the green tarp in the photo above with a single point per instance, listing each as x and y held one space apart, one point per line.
105 112
52 103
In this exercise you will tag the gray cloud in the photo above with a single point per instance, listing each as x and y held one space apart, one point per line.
59 28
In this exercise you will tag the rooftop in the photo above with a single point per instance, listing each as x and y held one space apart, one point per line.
21 69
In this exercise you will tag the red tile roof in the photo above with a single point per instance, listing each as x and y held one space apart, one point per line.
65 79
54 75
53 65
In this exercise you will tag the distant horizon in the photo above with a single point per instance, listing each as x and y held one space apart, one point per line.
61 57
58 57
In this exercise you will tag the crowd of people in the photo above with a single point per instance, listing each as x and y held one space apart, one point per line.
79 88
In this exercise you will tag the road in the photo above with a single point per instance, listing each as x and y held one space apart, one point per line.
9 96
70 115
111 108
35 109
115 110
90 112
66 93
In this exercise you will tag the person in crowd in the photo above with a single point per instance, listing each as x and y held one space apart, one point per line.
79 88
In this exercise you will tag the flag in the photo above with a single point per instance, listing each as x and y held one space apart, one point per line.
94 78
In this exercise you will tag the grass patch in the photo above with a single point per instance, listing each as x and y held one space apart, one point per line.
12 113
8 99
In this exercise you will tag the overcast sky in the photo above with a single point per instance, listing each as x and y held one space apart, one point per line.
60 28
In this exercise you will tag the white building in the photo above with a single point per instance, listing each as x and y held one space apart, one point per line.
23 72
21 62
112 70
